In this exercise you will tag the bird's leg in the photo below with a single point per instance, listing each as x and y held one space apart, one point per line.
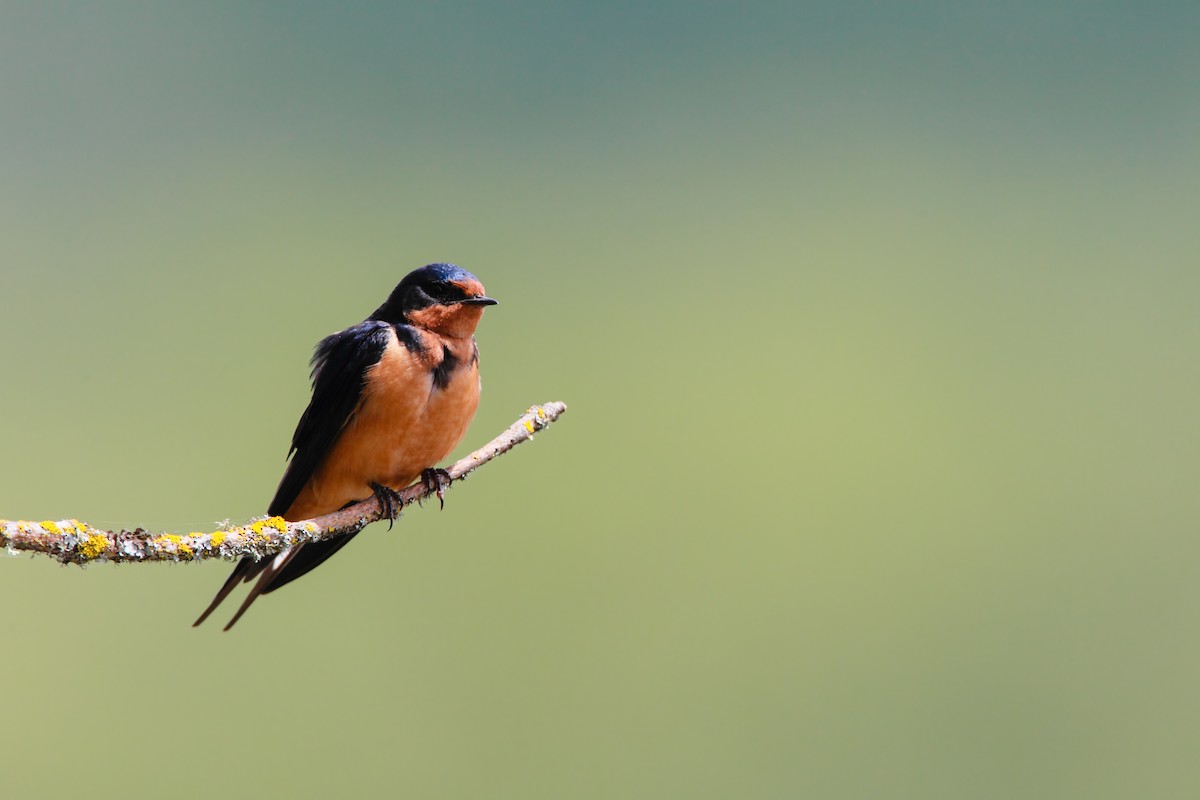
436 481
389 501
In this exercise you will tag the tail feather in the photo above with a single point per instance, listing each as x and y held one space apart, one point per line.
274 572
243 571
270 570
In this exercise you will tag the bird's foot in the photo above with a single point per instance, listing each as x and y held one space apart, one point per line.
436 481
390 502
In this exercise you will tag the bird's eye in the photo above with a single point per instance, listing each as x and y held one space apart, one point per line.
444 292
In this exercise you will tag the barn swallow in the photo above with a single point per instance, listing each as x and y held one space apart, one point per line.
391 397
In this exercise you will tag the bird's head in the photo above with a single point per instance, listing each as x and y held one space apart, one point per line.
442 298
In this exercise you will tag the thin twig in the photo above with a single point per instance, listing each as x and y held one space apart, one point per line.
73 542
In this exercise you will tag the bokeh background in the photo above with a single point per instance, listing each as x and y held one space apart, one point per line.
877 322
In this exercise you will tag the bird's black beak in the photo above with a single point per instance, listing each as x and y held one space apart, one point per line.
479 301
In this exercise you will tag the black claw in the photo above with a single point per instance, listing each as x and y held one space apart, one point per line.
436 480
389 501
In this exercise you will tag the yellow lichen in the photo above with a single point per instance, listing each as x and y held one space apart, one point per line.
278 523
172 543
218 539
529 425
95 544
51 527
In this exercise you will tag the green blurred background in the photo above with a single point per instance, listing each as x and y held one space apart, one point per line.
878 324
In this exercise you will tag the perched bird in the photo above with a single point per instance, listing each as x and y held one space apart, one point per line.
391 397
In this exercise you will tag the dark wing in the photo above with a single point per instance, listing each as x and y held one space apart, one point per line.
339 367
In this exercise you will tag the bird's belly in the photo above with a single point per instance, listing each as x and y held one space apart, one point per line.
404 425
436 429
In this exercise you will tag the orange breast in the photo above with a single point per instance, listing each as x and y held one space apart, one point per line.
404 425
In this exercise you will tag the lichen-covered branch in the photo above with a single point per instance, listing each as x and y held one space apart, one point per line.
74 542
